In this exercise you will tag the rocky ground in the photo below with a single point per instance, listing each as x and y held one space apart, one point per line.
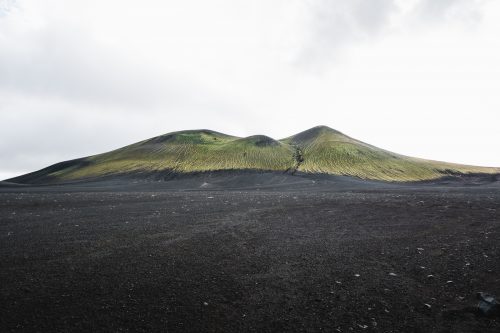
402 259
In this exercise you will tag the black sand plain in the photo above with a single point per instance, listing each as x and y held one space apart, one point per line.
249 253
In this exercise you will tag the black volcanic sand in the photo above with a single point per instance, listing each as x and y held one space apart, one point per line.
309 256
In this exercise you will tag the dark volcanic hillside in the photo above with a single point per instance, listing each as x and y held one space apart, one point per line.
317 150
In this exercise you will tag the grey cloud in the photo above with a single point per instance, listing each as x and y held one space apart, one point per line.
63 62
335 23
436 11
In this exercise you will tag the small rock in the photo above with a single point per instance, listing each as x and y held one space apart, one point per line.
449 282
427 306
488 304
357 275
393 274
205 303
430 276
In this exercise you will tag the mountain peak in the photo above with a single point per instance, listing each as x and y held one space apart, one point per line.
320 149
313 134
261 140
188 136
322 128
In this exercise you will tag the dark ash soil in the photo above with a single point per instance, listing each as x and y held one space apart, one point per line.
265 259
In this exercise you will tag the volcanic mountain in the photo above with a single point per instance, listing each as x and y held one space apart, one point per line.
317 150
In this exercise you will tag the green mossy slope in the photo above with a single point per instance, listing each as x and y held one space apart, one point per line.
317 150
188 151
325 150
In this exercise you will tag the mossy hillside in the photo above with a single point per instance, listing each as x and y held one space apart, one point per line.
191 151
317 150
325 150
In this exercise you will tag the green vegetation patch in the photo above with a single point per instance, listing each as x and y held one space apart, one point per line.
317 150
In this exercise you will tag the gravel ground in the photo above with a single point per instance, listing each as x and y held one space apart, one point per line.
391 260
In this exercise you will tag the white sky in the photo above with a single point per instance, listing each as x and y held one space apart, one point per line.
418 77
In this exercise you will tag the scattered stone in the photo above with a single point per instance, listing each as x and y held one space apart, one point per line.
205 303
393 274
357 275
449 282
427 306
420 249
488 304
338 282
430 276
363 326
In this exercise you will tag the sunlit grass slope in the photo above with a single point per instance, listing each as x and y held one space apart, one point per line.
317 150
325 150
187 151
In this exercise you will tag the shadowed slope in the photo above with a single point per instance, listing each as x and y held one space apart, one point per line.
317 150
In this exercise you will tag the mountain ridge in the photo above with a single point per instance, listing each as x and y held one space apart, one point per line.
318 150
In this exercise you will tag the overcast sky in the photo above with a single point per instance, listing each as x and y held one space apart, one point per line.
418 77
